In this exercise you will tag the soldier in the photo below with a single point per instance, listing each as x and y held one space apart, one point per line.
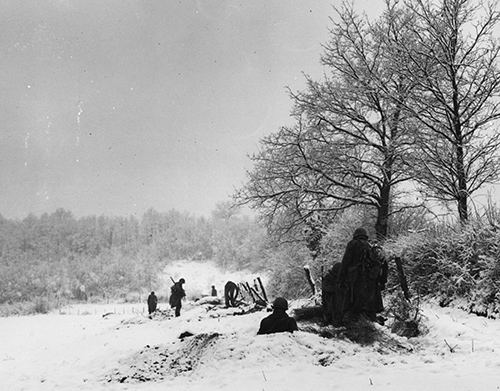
362 276
176 294
332 296
152 302
278 321
214 291
376 270
231 292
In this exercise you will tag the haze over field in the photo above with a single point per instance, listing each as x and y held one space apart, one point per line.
118 106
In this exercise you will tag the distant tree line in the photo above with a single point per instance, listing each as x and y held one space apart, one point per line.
62 257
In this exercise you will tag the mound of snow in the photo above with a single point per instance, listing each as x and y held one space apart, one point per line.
209 300
155 363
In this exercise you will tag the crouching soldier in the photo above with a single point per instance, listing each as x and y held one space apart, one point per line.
278 321
176 294
231 292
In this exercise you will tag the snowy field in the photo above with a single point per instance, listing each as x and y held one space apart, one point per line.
92 352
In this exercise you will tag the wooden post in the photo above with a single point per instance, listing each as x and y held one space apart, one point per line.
249 290
402 278
255 286
309 279
262 288
258 296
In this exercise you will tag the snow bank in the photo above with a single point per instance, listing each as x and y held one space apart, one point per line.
71 352
57 352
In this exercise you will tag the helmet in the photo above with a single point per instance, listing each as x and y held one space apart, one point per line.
280 303
182 281
360 233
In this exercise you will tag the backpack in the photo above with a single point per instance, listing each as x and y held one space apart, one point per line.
174 294
374 265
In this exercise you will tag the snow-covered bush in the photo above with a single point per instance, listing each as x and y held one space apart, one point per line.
459 264
406 314
287 277
41 305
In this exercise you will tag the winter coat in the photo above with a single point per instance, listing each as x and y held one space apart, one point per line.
176 295
360 278
152 302
231 292
277 322
332 295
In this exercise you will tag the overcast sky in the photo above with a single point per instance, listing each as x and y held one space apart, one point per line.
112 107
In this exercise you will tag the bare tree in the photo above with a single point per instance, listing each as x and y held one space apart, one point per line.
360 105
288 187
452 64
348 146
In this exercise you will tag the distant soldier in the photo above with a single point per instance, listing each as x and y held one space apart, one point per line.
83 293
278 321
214 291
152 302
362 277
231 292
176 294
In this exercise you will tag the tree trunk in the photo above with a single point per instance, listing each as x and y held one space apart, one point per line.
403 282
381 226
310 280
463 212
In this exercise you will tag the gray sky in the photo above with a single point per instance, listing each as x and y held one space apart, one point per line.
112 107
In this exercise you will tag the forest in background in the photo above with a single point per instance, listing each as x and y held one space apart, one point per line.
53 258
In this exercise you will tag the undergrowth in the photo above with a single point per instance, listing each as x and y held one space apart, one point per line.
456 265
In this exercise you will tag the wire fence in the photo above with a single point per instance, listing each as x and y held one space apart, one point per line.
103 309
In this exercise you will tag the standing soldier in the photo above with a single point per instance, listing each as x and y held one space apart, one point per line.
214 291
332 296
362 277
152 302
176 294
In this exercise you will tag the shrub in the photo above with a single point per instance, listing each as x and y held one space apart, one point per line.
407 316
287 277
454 264
41 306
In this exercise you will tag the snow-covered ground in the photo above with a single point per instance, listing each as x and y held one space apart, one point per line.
82 352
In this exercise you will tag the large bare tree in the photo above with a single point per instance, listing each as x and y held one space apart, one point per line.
360 104
351 136
452 63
